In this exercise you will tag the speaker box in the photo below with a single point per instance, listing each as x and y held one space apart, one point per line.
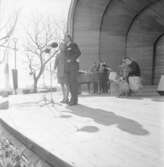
15 78
160 88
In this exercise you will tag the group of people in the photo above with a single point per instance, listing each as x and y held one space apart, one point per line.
126 81
67 66
102 70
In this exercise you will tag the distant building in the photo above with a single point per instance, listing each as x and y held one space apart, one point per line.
108 30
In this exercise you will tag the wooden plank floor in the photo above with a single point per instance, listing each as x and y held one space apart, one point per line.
100 132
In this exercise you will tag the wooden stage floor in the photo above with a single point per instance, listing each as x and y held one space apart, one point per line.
102 131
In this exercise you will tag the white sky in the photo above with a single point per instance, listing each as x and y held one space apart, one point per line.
29 8
57 7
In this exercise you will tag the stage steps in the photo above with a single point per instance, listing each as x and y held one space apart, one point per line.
148 91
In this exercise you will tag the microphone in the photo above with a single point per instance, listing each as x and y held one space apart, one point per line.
52 45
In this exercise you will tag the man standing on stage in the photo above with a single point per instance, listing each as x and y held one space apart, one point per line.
71 68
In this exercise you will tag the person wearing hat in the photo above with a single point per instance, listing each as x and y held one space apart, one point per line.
72 53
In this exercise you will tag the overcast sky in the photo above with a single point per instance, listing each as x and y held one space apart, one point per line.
57 7
29 8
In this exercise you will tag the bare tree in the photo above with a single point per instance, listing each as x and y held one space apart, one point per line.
7 29
38 46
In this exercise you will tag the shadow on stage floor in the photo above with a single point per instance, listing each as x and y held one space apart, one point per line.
108 95
108 118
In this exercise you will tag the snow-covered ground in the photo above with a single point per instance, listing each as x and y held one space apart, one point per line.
101 131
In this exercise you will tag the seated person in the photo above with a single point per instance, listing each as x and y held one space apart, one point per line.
134 75
134 68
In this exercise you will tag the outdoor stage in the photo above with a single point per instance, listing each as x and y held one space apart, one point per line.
102 131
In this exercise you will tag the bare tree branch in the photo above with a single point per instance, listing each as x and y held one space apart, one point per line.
11 30
8 47
38 39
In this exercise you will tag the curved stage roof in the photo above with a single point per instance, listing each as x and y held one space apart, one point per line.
108 30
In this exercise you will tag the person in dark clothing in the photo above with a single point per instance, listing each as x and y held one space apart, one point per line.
133 67
134 73
94 70
71 67
104 78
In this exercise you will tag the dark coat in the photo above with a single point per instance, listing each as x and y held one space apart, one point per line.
72 53
134 69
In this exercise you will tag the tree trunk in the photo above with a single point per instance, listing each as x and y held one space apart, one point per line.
35 86
36 79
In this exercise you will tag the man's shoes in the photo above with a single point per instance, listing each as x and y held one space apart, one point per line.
72 103
66 101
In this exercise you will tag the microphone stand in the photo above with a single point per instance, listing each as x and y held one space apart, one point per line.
46 100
